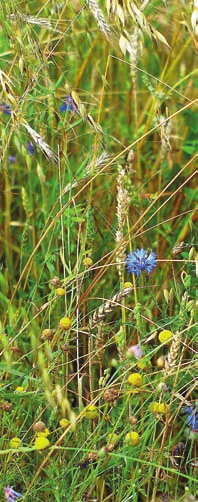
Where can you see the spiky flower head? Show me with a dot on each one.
(192, 417)
(6, 109)
(11, 495)
(140, 260)
(30, 148)
(135, 350)
(68, 105)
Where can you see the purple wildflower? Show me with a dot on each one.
(11, 495)
(30, 148)
(135, 350)
(192, 417)
(68, 105)
(11, 159)
(140, 260)
(6, 109)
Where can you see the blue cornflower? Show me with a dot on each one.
(30, 148)
(6, 109)
(11, 495)
(68, 105)
(192, 417)
(140, 260)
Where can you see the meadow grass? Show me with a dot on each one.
(99, 161)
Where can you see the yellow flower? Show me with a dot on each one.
(20, 390)
(135, 379)
(41, 443)
(65, 323)
(64, 423)
(162, 408)
(91, 412)
(15, 443)
(159, 407)
(43, 433)
(165, 336)
(132, 438)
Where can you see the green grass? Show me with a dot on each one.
(115, 174)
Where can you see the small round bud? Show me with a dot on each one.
(87, 262)
(47, 334)
(60, 291)
(162, 387)
(133, 420)
(161, 362)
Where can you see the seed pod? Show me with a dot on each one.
(110, 395)
(55, 281)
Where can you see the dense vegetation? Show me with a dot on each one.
(98, 248)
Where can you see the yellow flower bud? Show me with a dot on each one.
(91, 412)
(64, 423)
(15, 443)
